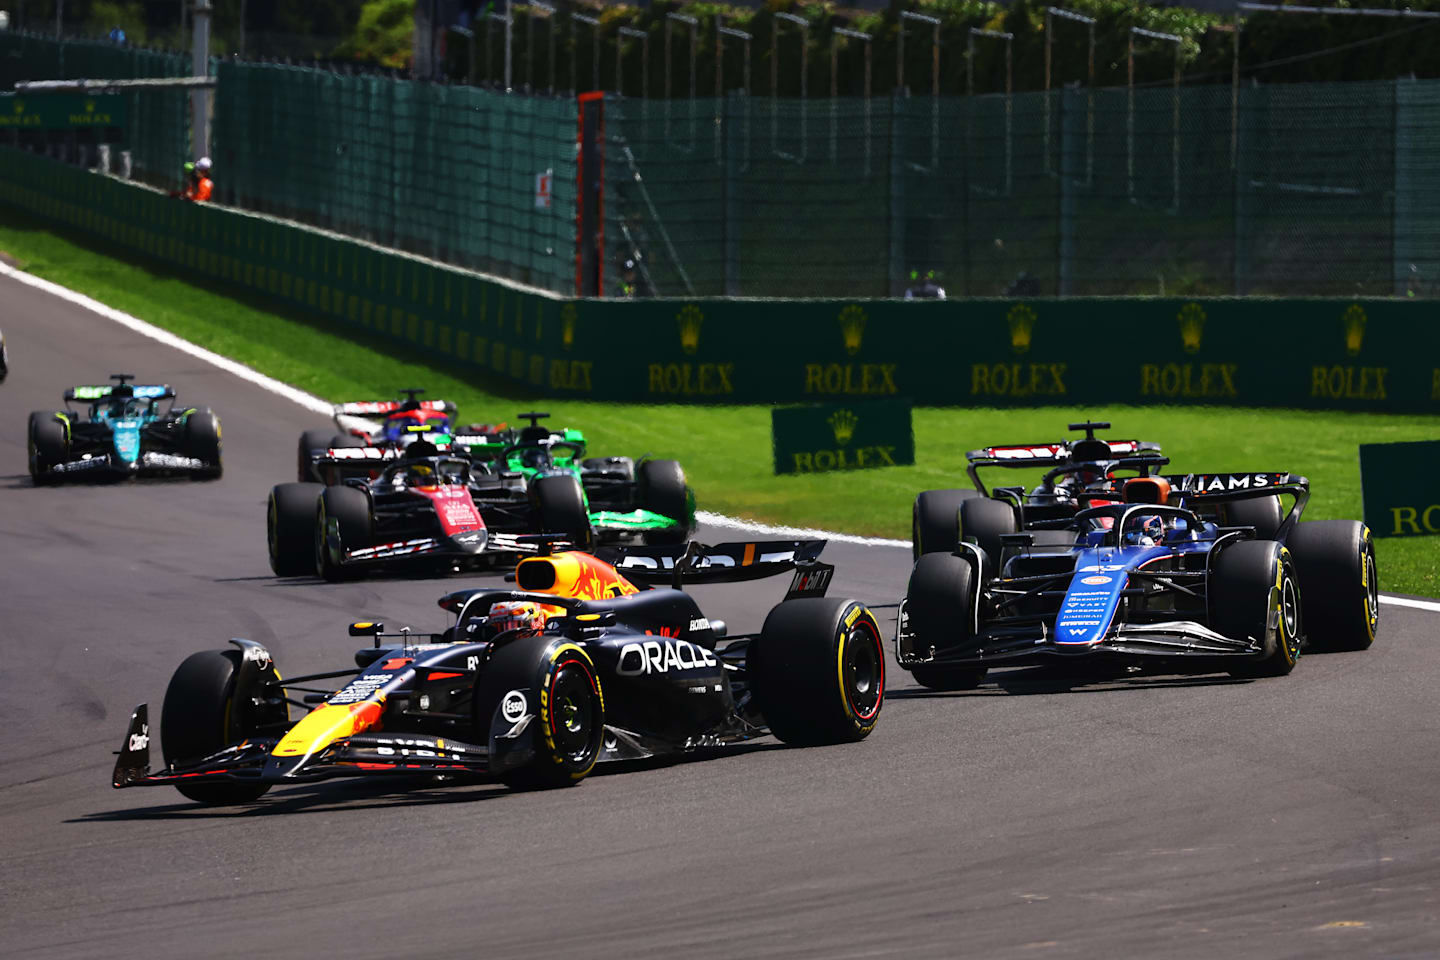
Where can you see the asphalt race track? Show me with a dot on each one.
(1154, 816)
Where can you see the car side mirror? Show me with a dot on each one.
(366, 628)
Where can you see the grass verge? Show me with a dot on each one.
(726, 449)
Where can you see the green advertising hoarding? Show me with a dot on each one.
(60, 111)
(1400, 486)
(820, 437)
(1368, 354)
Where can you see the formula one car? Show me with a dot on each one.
(535, 685)
(419, 509)
(124, 433)
(387, 427)
(1144, 579)
(625, 499)
(4, 358)
(1077, 475)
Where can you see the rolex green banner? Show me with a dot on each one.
(60, 111)
(1400, 485)
(821, 437)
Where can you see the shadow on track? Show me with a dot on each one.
(392, 792)
(1039, 681)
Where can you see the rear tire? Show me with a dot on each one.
(202, 441)
(310, 441)
(1251, 582)
(986, 521)
(568, 730)
(350, 509)
(935, 521)
(663, 490)
(622, 467)
(818, 671)
(290, 521)
(208, 706)
(940, 607)
(1265, 514)
(1335, 561)
(49, 446)
(559, 503)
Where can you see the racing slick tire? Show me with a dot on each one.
(986, 521)
(560, 508)
(49, 444)
(935, 521)
(1335, 561)
(818, 671)
(290, 522)
(663, 490)
(202, 442)
(561, 688)
(350, 509)
(210, 704)
(1252, 583)
(939, 605)
(1265, 514)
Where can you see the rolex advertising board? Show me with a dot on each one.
(1400, 486)
(821, 437)
(1372, 354)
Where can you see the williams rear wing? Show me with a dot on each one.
(696, 562)
(1196, 490)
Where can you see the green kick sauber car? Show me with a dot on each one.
(603, 499)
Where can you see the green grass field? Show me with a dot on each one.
(726, 449)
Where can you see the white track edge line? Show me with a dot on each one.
(317, 405)
(308, 401)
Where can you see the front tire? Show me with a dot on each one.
(985, 521)
(349, 510)
(663, 490)
(49, 446)
(209, 705)
(935, 521)
(1335, 560)
(563, 692)
(940, 607)
(1253, 584)
(560, 508)
(290, 522)
(202, 442)
(818, 671)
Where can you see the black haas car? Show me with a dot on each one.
(534, 685)
(427, 509)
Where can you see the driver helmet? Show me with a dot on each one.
(202, 166)
(1146, 531)
(420, 475)
(523, 615)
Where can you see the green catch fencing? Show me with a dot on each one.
(1293, 190)
(157, 130)
(1379, 354)
(457, 174)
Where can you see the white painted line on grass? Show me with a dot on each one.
(749, 526)
(274, 386)
(317, 405)
(1430, 605)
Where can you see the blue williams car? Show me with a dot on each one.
(123, 431)
(1149, 577)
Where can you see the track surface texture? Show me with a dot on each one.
(1183, 817)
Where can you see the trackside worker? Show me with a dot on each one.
(198, 185)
